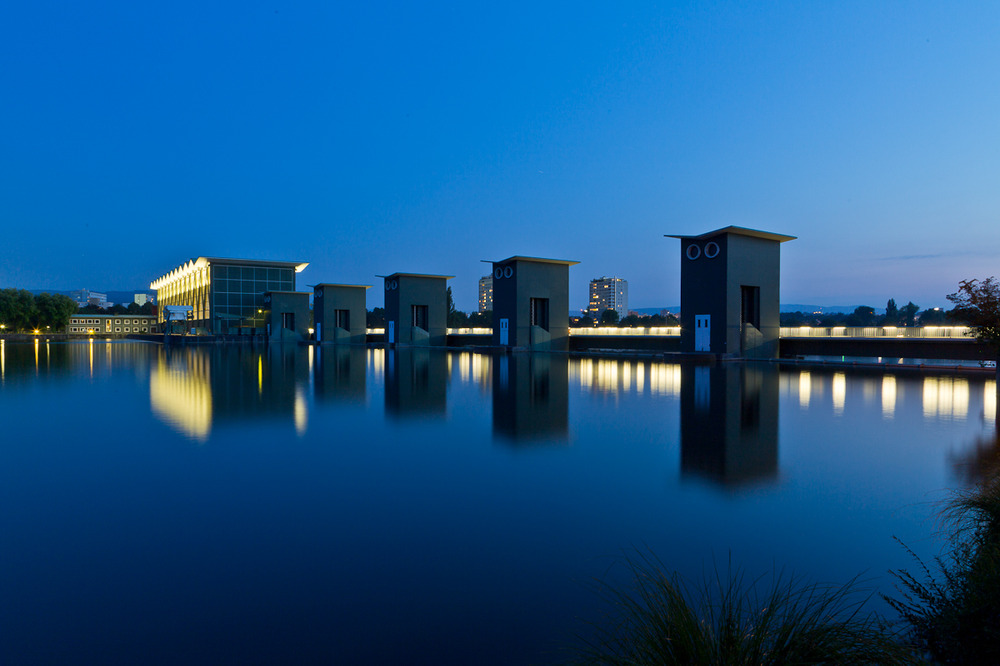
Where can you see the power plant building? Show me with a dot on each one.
(226, 295)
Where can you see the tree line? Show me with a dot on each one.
(864, 315)
(20, 310)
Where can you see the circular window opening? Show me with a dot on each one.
(508, 271)
(693, 251)
(711, 249)
(498, 273)
(395, 284)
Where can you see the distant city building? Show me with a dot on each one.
(226, 295)
(485, 293)
(608, 293)
(141, 299)
(86, 297)
(111, 324)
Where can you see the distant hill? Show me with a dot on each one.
(785, 307)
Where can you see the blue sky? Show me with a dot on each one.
(369, 138)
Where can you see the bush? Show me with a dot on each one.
(955, 615)
(664, 620)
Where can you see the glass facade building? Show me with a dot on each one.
(227, 295)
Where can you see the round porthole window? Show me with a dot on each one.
(711, 249)
(388, 285)
(395, 284)
(693, 251)
(319, 293)
(508, 271)
(498, 273)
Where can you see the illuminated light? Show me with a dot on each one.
(888, 396)
(260, 375)
(627, 376)
(990, 401)
(301, 412)
(640, 377)
(90, 350)
(182, 396)
(839, 390)
(3, 359)
(463, 367)
(664, 379)
(586, 373)
(930, 395)
(805, 388)
(310, 354)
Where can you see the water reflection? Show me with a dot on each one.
(614, 375)
(946, 396)
(415, 382)
(193, 388)
(339, 373)
(729, 423)
(531, 397)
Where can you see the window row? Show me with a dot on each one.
(249, 273)
(250, 286)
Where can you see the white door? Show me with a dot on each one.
(504, 332)
(391, 333)
(703, 332)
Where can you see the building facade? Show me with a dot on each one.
(531, 308)
(84, 297)
(730, 303)
(608, 293)
(227, 295)
(111, 324)
(485, 293)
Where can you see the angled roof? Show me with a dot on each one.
(739, 231)
(189, 267)
(539, 260)
(416, 275)
(334, 284)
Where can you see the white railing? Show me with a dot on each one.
(659, 331)
(874, 332)
(958, 332)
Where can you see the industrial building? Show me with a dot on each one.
(226, 295)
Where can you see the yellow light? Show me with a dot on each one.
(36, 331)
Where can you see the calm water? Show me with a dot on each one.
(291, 505)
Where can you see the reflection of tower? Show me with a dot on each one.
(530, 396)
(340, 372)
(415, 381)
(729, 422)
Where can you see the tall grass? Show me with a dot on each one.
(662, 619)
(954, 611)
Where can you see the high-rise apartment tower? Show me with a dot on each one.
(485, 293)
(608, 293)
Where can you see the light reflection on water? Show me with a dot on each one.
(336, 491)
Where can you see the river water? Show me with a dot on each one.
(238, 504)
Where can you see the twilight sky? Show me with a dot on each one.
(374, 137)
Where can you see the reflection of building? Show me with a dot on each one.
(485, 293)
(729, 422)
(531, 396)
(415, 382)
(730, 292)
(608, 293)
(531, 303)
(194, 388)
(339, 373)
(111, 324)
(227, 295)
